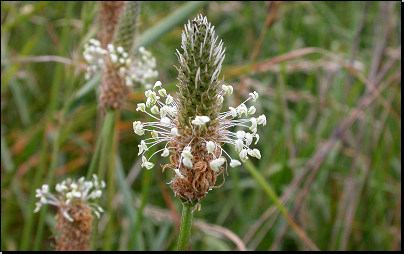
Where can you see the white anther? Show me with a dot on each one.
(138, 128)
(234, 163)
(215, 164)
(251, 110)
(262, 120)
(243, 155)
(157, 84)
(174, 132)
(154, 109)
(242, 109)
(187, 162)
(257, 137)
(233, 111)
(200, 120)
(210, 146)
(186, 153)
(163, 92)
(165, 120)
(142, 147)
(228, 89)
(254, 96)
(248, 138)
(177, 171)
(239, 145)
(165, 152)
(240, 134)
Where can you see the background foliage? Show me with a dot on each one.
(329, 78)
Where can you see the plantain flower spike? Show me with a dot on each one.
(193, 126)
(74, 200)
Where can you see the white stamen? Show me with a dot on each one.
(234, 163)
(200, 120)
(215, 164)
(210, 145)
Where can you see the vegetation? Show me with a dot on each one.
(329, 79)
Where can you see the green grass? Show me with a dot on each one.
(329, 176)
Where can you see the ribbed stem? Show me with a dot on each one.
(185, 229)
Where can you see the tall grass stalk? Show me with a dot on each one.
(106, 135)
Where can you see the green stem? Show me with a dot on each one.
(185, 229)
(146, 182)
(107, 132)
(112, 147)
(95, 156)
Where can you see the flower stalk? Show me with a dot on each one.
(186, 224)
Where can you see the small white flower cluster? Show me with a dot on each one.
(68, 190)
(165, 128)
(142, 70)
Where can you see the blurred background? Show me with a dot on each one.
(329, 79)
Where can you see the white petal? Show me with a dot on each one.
(37, 209)
(163, 111)
(114, 58)
(76, 194)
(97, 214)
(142, 147)
(119, 49)
(43, 200)
(110, 47)
(138, 128)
